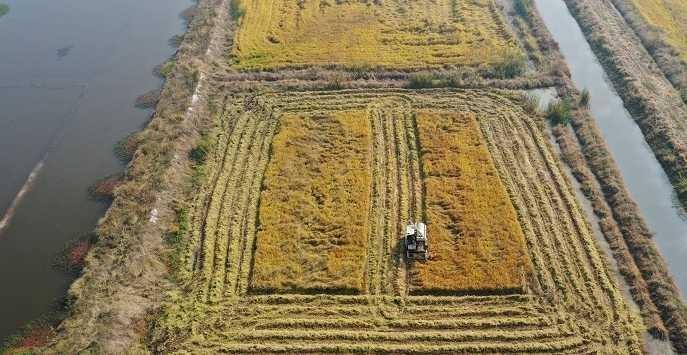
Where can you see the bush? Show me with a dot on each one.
(585, 98)
(559, 112)
(420, 81)
(200, 152)
(522, 7)
(531, 103)
(4, 9)
(237, 9)
(512, 65)
(165, 69)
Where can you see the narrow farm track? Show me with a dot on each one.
(569, 303)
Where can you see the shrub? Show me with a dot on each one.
(585, 98)
(200, 152)
(420, 81)
(531, 103)
(165, 69)
(522, 7)
(512, 65)
(559, 112)
(4, 9)
(237, 9)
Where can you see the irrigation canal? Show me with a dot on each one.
(69, 74)
(646, 181)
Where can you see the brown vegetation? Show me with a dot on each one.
(672, 59)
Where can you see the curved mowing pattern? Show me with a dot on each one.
(568, 305)
(393, 34)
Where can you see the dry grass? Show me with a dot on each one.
(393, 34)
(671, 17)
(313, 210)
(476, 241)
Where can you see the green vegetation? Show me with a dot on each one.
(559, 112)
(237, 9)
(421, 81)
(522, 7)
(585, 98)
(4, 9)
(513, 64)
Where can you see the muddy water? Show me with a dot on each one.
(69, 73)
(644, 177)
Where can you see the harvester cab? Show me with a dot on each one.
(416, 241)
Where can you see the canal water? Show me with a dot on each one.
(70, 71)
(645, 179)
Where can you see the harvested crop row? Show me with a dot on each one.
(569, 303)
(225, 231)
(396, 194)
(392, 34)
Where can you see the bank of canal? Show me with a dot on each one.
(69, 74)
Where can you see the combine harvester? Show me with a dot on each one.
(416, 241)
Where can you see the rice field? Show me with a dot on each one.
(670, 16)
(395, 154)
(400, 34)
(477, 242)
(313, 218)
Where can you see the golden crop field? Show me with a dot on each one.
(399, 34)
(313, 209)
(395, 142)
(477, 243)
(671, 17)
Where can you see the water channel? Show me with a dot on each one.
(70, 71)
(646, 181)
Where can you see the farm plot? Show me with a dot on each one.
(671, 17)
(314, 205)
(477, 243)
(567, 304)
(400, 34)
